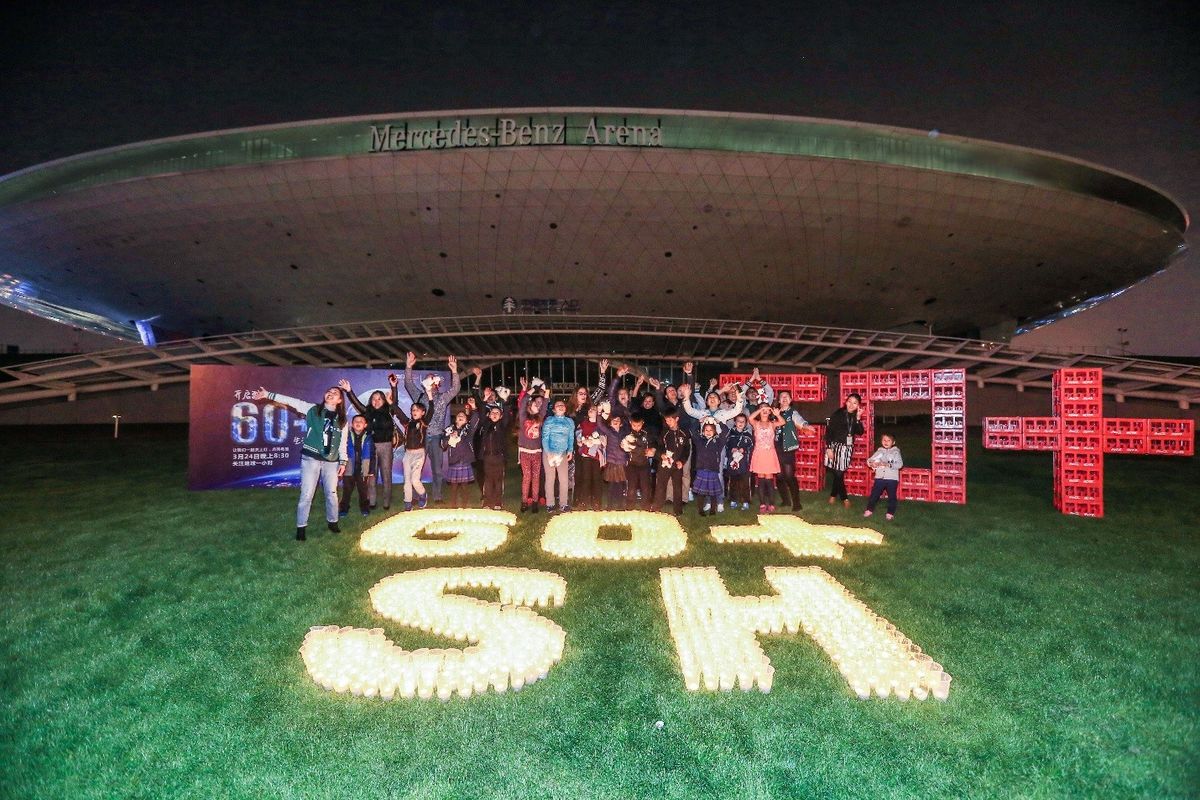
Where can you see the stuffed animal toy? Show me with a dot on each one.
(503, 392)
(628, 444)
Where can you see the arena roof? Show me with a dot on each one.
(596, 211)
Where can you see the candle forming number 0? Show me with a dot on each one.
(508, 644)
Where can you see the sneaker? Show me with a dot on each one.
(497, 508)
(703, 512)
(846, 502)
(524, 507)
(868, 513)
(720, 507)
(342, 513)
(535, 508)
(423, 500)
(762, 508)
(770, 509)
(366, 513)
(890, 516)
(407, 506)
(300, 533)
(334, 528)
(745, 506)
(387, 506)
(691, 497)
(832, 499)
(564, 509)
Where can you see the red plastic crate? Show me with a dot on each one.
(1086, 476)
(1041, 441)
(1079, 459)
(1074, 409)
(1126, 427)
(955, 452)
(1077, 377)
(915, 477)
(947, 466)
(915, 385)
(1002, 441)
(1081, 508)
(1091, 493)
(1002, 424)
(1039, 425)
(952, 406)
(958, 496)
(947, 421)
(949, 436)
(948, 376)
(1170, 445)
(956, 482)
(1069, 394)
(1081, 426)
(949, 391)
(1171, 427)
(859, 382)
(1119, 443)
(1083, 441)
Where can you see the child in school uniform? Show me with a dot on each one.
(614, 429)
(458, 442)
(708, 448)
(887, 463)
(360, 448)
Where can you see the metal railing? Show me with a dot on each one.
(488, 339)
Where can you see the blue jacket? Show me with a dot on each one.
(359, 452)
(558, 435)
(739, 440)
(707, 453)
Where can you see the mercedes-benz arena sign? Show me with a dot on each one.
(677, 213)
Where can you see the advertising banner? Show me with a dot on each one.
(236, 442)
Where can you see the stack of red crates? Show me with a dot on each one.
(1002, 433)
(949, 470)
(1079, 463)
(810, 461)
(1040, 433)
(1171, 437)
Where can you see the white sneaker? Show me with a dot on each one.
(691, 497)
(720, 507)
(745, 506)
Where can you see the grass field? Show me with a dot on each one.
(150, 637)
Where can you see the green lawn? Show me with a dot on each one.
(150, 639)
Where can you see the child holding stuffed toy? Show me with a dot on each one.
(614, 430)
(640, 443)
(737, 462)
(359, 453)
(558, 444)
(674, 450)
(589, 467)
(458, 442)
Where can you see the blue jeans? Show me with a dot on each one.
(880, 486)
(434, 455)
(312, 472)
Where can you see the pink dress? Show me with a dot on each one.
(764, 461)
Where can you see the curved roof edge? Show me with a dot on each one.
(690, 129)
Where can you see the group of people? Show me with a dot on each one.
(611, 446)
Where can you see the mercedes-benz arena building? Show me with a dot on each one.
(595, 211)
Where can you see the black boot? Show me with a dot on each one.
(334, 528)
(300, 531)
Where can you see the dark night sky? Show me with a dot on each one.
(1107, 82)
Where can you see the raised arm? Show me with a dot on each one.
(455, 378)
(283, 400)
(691, 409)
(601, 386)
(344, 385)
(414, 391)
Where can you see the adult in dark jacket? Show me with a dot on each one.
(437, 401)
(841, 428)
(493, 447)
(378, 413)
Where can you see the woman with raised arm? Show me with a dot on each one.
(764, 461)
(323, 454)
(436, 401)
(378, 413)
